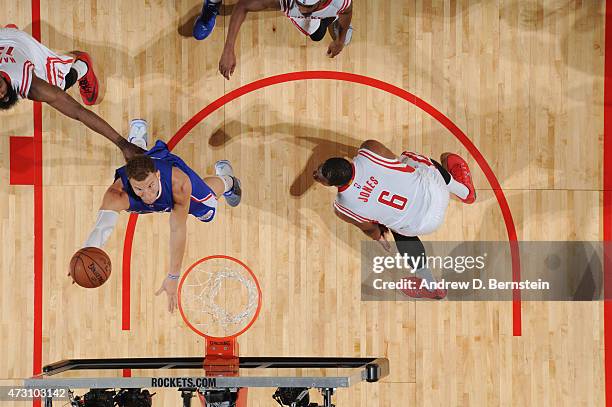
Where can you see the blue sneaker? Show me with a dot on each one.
(205, 22)
(234, 195)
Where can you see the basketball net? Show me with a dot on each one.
(213, 310)
(219, 299)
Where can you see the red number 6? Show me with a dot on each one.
(396, 201)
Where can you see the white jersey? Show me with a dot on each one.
(308, 25)
(408, 195)
(21, 56)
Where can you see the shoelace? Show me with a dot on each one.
(85, 85)
(459, 173)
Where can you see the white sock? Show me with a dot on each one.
(425, 274)
(81, 68)
(228, 181)
(215, 1)
(458, 188)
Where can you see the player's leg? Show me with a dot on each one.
(232, 192)
(462, 187)
(216, 184)
(139, 134)
(85, 75)
(459, 190)
(205, 23)
(320, 33)
(460, 183)
(413, 249)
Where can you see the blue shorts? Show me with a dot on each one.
(203, 200)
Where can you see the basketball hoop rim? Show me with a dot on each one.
(196, 330)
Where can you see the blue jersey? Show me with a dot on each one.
(203, 200)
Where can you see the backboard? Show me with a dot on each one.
(284, 373)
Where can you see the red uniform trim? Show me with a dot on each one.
(206, 198)
(52, 71)
(27, 77)
(396, 165)
(417, 158)
(345, 5)
(298, 26)
(380, 158)
(324, 6)
(49, 76)
(346, 211)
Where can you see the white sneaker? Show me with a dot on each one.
(234, 195)
(349, 33)
(139, 133)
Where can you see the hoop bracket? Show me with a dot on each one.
(221, 357)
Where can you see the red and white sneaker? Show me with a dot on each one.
(88, 84)
(422, 292)
(460, 171)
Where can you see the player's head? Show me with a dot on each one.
(307, 7)
(336, 171)
(143, 177)
(8, 96)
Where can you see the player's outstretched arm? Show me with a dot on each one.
(41, 91)
(227, 64)
(181, 195)
(344, 21)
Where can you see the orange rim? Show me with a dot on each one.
(196, 330)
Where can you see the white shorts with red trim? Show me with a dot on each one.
(440, 198)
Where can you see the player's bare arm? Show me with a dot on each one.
(42, 91)
(378, 148)
(181, 196)
(227, 64)
(344, 21)
(115, 198)
(370, 229)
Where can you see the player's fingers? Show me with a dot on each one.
(161, 290)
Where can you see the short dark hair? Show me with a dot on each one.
(139, 167)
(10, 99)
(337, 171)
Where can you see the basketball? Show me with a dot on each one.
(90, 267)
